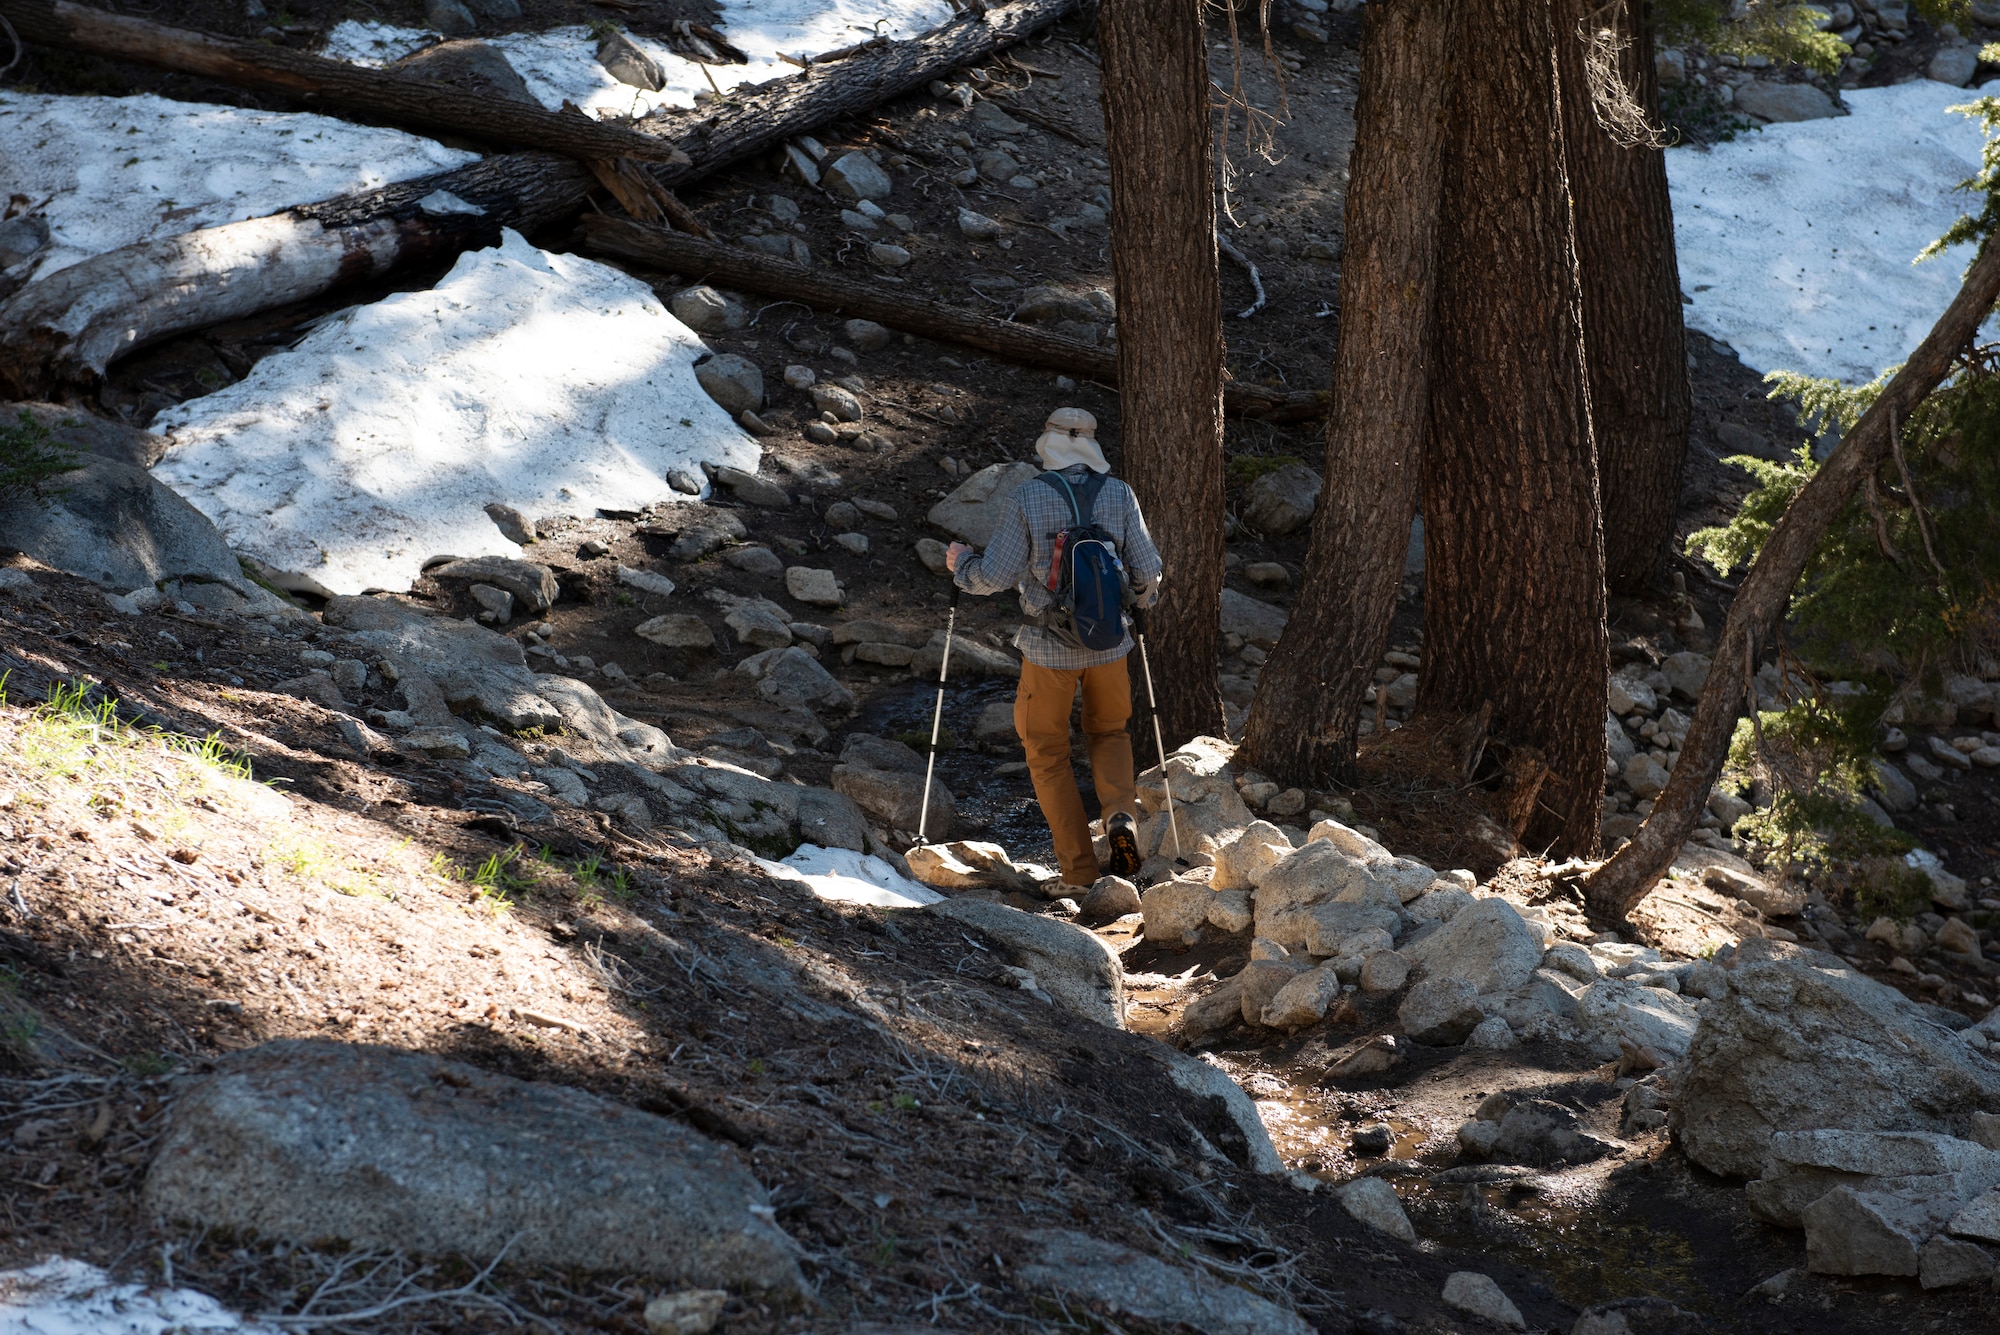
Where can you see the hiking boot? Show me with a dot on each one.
(1123, 837)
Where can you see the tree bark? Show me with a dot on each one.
(1634, 342)
(382, 95)
(657, 248)
(1302, 724)
(1616, 888)
(1163, 258)
(59, 334)
(1514, 611)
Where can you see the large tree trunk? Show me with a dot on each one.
(59, 334)
(1514, 611)
(749, 271)
(382, 95)
(1302, 724)
(1615, 888)
(1634, 341)
(1163, 257)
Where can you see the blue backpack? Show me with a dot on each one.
(1086, 578)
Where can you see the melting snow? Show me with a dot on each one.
(851, 878)
(111, 171)
(64, 1297)
(561, 64)
(547, 382)
(1796, 241)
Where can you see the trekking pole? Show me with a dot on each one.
(1153, 708)
(937, 716)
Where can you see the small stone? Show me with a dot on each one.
(1958, 938)
(1267, 575)
(437, 743)
(449, 17)
(932, 553)
(686, 483)
(755, 561)
(702, 309)
(1645, 776)
(498, 604)
(819, 433)
(842, 516)
(1288, 803)
(690, 1312)
(1441, 1011)
(866, 335)
(732, 381)
(888, 256)
(1478, 1138)
(1384, 971)
(625, 62)
(1303, 1000)
(1469, 1291)
(1176, 911)
(646, 581)
(856, 543)
(752, 489)
(1373, 1138)
(1946, 1263)
(838, 401)
(513, 525)
(997, 167)
(1375, 1203)
(818, 588)
(1492, 1034)
(854, 176)
(1112, 897)
(1953, 65)
(800, 377)
(1231, 912)
(678, 630)
(977, 226)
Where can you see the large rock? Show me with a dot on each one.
(1489, 945)
(1176, 910)
(973, 508)
(1784, 102)
(1440, 1011)
(1077, 968)
(1375, 1203)
(732, 381)
(1208, 812)
(793, 677)
(1801, 1042)
(469, 664)
(1850, 1232)
(1136, 1285)
(1257, 622)
(475, 67)
(855, 177)
(1282, 501)
(624, 61)
(583, 712)
(110, 522)
(304, 1140)
(1615, 1012)
(895, 798)
(1802, 1166)
(1242, 862)
(533, 586)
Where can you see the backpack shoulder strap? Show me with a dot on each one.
(1067, 492)
(1093, 487)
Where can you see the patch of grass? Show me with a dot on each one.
(31, 457)
(920, 741)
(310, 860)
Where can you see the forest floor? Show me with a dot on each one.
(164, 912)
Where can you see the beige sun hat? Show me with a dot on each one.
(1070, 437)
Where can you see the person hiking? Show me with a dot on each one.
(1049, 544)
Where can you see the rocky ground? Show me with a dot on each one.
(510, 819)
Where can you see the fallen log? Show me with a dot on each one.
(381, 95)
(56, 341)
(656, 248)
(1613, 890)
(61, 333)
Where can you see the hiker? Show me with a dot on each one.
(1078, 506)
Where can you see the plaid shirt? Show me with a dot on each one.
(1023, 545)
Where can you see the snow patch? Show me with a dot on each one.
(851, 878)
(561, 64)
(113, 171)
(1796, 241)
(546, 382)
(64, 1297)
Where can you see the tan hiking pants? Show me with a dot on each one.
(1041, 717)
